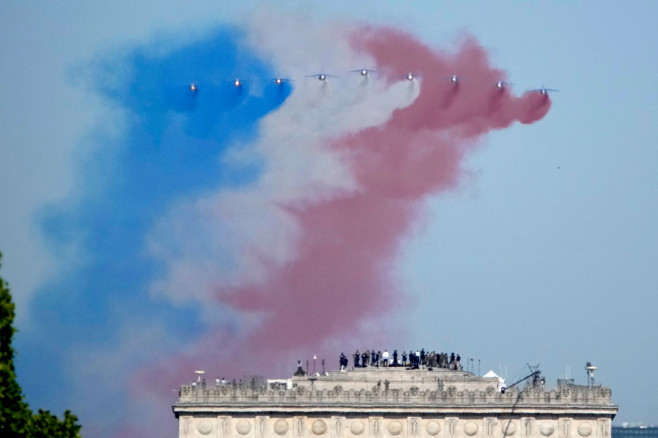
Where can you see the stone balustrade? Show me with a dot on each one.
(229, 394)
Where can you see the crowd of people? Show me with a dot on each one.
(369, 358)
(410, 360)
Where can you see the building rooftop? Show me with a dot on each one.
(391, 389)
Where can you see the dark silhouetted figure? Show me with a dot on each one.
(300, 371)
(343, 362)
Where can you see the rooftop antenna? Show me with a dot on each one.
(503, 371)
(589, 368)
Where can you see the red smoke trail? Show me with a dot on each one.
(349, 243)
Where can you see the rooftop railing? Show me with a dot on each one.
(230, 394)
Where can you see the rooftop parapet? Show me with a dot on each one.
(391, 388)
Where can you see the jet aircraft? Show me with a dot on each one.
(321, 76)
(455, 79)
(363, 71)
(543, 90)
(279, 80)
(502, 84)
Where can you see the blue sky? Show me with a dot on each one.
(546, 252)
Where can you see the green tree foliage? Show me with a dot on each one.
(46, 425)
(14, 412)
(16, 418)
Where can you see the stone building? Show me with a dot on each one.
(392, 402)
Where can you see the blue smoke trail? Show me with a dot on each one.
(170, 149)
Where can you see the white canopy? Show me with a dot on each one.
(492, 374)
(501, 381)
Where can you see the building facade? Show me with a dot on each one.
(392, 403)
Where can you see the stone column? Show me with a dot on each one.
(224, 427)
(565, 428)
(526, 427)
(299, 427)
(489, 427)
(413, 427)
(604, 429)
(451, 426)
(184, 425)
(262, 424)
(375, 427)
(337, 427)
